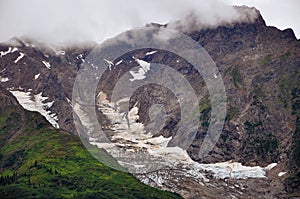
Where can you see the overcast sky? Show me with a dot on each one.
(79, 20)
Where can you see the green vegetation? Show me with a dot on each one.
(38, 161)
(266, 59)
(292, 184)
(205, 110)
(259, 143)
(205, 118)
(297, 143)
(232, 113)
(250, 126)
(285, 56)
(289, 95)
(235, 75)
(285, 86)
(295, 100)
(258, 92)
(267, 145)
(293, 181)
(258, 99)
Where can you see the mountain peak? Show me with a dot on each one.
(231, 16)
(249, 14)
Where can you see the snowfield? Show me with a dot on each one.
(36, 103)
(141, 153)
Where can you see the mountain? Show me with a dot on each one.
(39, 161)
(257, 154)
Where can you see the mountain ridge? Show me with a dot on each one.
(260, 68)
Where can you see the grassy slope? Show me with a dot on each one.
(38, 161)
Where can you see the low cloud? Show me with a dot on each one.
(58, 21)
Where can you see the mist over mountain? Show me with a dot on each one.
(256, 155)
(49, 21)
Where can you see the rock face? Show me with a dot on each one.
(259, 66)
(35, 69)
(155, 163)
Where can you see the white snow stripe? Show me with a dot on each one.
(151, 53)
(47, 64)
(10, 50)
(36, 104)
(119, 62)
(281, 174)
(20, 57)
(110, 63)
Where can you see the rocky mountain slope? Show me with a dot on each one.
(38, 161)
(259, 66)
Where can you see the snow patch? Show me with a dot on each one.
(93, 65)
(83, 116)
(4, 79)
(37, 76)
(281, 174)
(141, 73)
(69, 102)
(119, 62)
(47, 64)
(61, 52)
(36, 103)
(145, 65)
(234, 170)
(10, 50)
(80, 57)
(151, 53)
(270, 166)
(20, 57)
(137, 75)
(110, 63)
